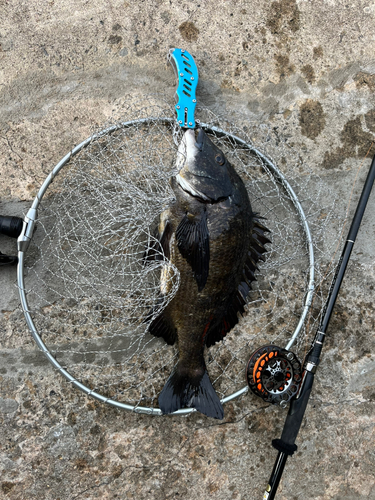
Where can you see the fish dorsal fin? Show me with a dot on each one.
(193, 243)
(220, 326)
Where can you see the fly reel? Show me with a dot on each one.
(274, 374)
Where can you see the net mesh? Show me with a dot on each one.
(90, 294)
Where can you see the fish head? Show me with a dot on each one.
(204, 172)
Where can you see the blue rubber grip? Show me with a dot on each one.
(187, 74)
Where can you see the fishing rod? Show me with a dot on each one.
(286, 445)
(12, 227)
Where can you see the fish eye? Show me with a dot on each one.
(220, 159)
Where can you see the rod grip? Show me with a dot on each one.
(296, 412)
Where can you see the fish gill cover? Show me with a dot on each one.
(91, 297)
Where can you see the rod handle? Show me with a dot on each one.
(11, 226)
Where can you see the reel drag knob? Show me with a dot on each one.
(274, 374)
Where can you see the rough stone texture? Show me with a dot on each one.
(307, 69)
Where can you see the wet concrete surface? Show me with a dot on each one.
(306, 70)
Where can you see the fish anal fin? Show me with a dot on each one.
(162, 326)
(193, 243)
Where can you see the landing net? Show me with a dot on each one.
(86, 292)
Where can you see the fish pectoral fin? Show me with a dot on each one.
(158, 245)
(162, 326)
(194, 245)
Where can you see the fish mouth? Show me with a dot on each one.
(189, 148)
(188, 188)
(200, 174)
(200, 139)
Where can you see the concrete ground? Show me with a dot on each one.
(307, 69)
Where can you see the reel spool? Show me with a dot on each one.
(274, 374)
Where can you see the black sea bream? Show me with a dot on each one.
(215, 240)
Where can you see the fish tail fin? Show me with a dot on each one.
(184, 391)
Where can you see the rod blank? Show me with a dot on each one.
(286, 445)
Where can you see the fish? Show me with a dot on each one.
(213, 237)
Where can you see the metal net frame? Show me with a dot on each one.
(86, 293)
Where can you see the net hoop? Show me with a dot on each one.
(31, 217)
